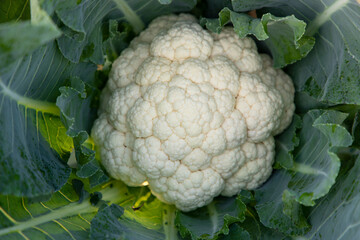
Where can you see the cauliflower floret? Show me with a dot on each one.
(254, 170)
(192, 113)
(116, 150)
(282, 82)
(187, 189)
(261, 106)
(183, 40)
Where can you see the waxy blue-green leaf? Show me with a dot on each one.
(63, 216)
(286, 143)
(272, 201)
(314, 171)
(32, 136)
(82, 38)
(60, 217)
(337, 215)
(212, 220)
(114, 40)
(284, 36)
(18, 38)
(77, 114)
(143, 217)
(331, 71)
(236, 232)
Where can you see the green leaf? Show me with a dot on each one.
(165, 1)
(211, 221)
(77, 115)
(63, 216)
(83, 39)
(60, 217)
(286, 143)
(109, 224)
(278, 210)
(316, 163)
(331, 71)
(337, 216)
(116, 40)
(315, 168)
(355, 130)
(236, 232)
(142, 217)
(11, 10)
(20, 38)
(35, 145)
(284, 36)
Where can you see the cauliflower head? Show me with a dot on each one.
(191, 113)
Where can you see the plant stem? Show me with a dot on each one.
(213, 216)
(130, 15)
(169, 214)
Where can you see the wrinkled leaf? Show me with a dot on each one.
(82, 38)
(116, 40)
(236, 232)
(331, 71)
(77, 115)
(314, 171)
(23, 37)
(35, 146)
(337, 216)
(284, 36)
(141, 217)
(272, 201)
(286, 143)
(210, 221)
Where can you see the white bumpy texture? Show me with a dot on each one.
(192, 113)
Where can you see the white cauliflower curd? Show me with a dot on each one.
(192, 113)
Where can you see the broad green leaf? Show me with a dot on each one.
(211, 221)
(314, 171)
(110, 223)
(355, 130)
(272, 201)
(114, 40)
(286, 143)
(165, 1)
(337, 215)
(284, 36)
(236, 232)
(23, 37)
(77, 114)
(331, 71)
(14, 10)
(316, 163)
(82, 39)
(142, 217)
(35, 146)
(61, 217)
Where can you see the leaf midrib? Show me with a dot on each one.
(325, 16)
(38, 105)
(60, 213)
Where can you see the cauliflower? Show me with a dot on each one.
(192, 114)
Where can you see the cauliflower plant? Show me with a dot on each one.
(192, 114)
